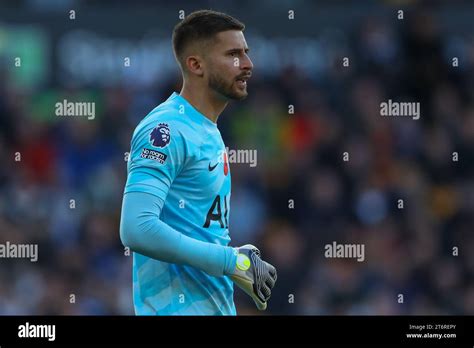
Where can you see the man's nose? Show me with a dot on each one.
(246, 63)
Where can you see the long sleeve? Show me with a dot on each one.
(142, 230)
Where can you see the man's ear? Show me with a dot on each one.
(194, 65)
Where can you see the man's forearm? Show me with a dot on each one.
(143, 231)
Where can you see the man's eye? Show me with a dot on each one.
(233, 54)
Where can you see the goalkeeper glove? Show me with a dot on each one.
(253, 275)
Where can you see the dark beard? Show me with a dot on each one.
(220, 86)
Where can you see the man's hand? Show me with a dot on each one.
(253, 275)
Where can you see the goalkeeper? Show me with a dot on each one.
(176, 203)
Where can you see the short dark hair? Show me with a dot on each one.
(201, 25)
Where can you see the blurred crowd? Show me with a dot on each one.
(64, 192)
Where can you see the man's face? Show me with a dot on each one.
(228, 65)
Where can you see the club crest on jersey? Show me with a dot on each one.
(160, 135)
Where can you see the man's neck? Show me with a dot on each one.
(204, 100)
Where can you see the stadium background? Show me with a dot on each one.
(297, 62)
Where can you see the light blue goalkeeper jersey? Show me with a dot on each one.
(184, 153)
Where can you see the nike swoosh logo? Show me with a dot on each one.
(213, 167)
